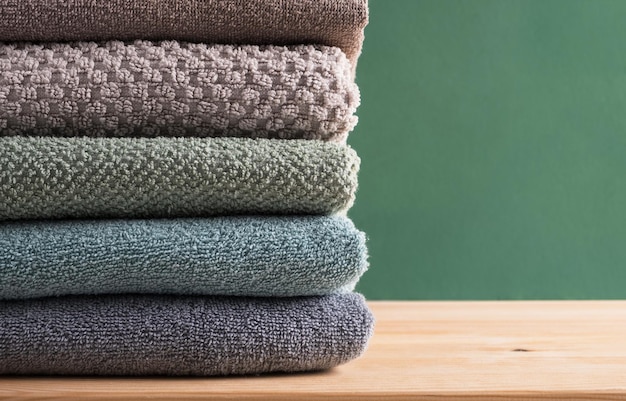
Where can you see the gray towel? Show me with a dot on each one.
(168, 335)
(44, 178)
(328, 22)
(176, 89)
(254, 256)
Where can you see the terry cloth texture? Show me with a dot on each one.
(245, 256)
(50, 178)
(337, 23)
(169, 335)
(176, 89)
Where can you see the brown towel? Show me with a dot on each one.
(337, 23)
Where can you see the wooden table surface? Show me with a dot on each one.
(565, 350)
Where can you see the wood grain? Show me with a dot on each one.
(566, 350)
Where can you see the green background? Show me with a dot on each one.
(492, 135)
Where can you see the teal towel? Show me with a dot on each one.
(52, 178)
(254, 255)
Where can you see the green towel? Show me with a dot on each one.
(53, 178)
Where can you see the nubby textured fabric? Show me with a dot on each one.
(176, 89)
(169, 335)
(337, 23)
(53, 178)
(230, 255)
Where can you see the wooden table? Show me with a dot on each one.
(571, 350)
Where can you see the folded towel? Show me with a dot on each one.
(169, 335)
(176, 89)
(252, 256)
(328, 22)
(45, 178)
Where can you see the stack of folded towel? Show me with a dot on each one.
(173, 185)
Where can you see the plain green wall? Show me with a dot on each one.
(493, 142)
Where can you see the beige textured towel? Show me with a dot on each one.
(337, 23)
(173, 88)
